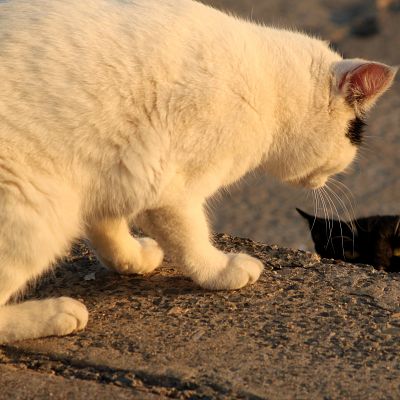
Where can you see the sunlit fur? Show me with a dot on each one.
(136, 111)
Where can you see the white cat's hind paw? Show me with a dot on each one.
(240, 270)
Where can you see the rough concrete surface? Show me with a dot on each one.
(308, 329)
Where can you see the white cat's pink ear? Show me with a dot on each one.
(362, 82)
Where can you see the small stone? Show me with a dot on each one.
(197, 335)
(90, 277)
(176, 310)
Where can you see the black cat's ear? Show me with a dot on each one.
(309, 218)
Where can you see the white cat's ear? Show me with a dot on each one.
(362, 82)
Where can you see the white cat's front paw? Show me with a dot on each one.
(152, 255)
(63, 316)
(239, 271)
(40, 318)
(134, 259)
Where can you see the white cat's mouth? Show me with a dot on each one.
(314, 182)
(310, 181)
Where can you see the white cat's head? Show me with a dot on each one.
(322, 125)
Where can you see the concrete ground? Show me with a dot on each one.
(308, 329)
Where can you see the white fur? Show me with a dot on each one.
(117, 111)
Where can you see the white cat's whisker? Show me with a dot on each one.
(350, 223)
(337, 213)
(397, 228)
(328, 227)
(351, 200)
(315, 209)
(343, 207)
(340, 185)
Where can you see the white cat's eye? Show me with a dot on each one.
(396, 252)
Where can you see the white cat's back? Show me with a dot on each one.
(152, 87)
(87, 79)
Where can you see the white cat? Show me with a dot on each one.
(137, 111)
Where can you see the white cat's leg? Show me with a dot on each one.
(32, 235)
(117, 249)
(183, 232)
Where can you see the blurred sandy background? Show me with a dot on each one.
(263, 209)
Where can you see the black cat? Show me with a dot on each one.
(376, 240)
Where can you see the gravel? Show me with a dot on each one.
(309, 328)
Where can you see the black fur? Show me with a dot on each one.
(376, 240)
(356, 130)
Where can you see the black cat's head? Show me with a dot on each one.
(333, 239)
(372, 240)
